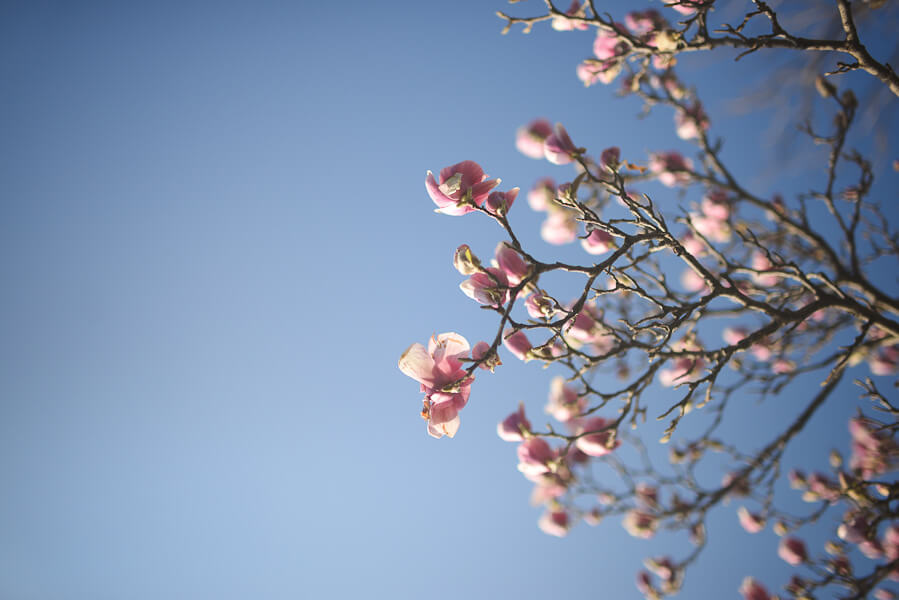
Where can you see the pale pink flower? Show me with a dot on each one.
(642, 22)
(687, 7)
(558, 147)
(689, 123)
(540, 306)
(751, 522)
(716, 205)
(555, 523)
(518, 344)
(499, 203)
(489, 287)
(548, 486)
(711, 229)
(670, 168)
(734, 335)
(596, 444)
(609, 44)
(693, 244)
(610, 157)
(543, 194)
(479, 352)
(891, 542)
(694, 282)
(534, 457)
(461, 186)
(761, 263)
(644, 583)
(445, 383)
(854, 528)
(661, 567)
(512, 264)
(647, 496)
(782, 365)
(639, 524)
(564, 402)
(885, 361)
(683, 369)
(561, 23)
(753, 590)
(513, 426)
(884, 594)
(592, 71)
(598, 242)
(529, 138)
(871, 549)
(873, 451)
(559, 228)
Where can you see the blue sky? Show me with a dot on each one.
(215, 243)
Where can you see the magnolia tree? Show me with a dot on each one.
(732, 291)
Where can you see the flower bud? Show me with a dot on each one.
(465, 261)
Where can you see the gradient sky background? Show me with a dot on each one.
(214, 245)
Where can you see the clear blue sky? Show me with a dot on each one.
(214, 244)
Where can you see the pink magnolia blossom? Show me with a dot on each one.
(511, 263)
(445, 383)
(691, 122)
(873, 451)
(610, 157)
(555, 523)
(562, 23)
(854, 528)
(488, 362)
(511, 429)
(609, 44)
(639, 524)
(693, 244)
(499, 203)
(871, 549)
(540, 305)
(529, 139)
(662, 568)
(534, 457)
(687, 7)
(592, 71)
(761, 263)
(558, 147)
(461, 186)
(885, 361)
(734, 335)
(782, 365)
(489, 287)
(598, 242)
(711, 229)
(751, 522)
(642, 22)
(647, 496)
(753, 590)
(694, 282)
(682, 369)
(716, 205)
(548, 486)
(564, 402)
(644, 584)
(891, 542)
(670, 168)
(518, 344)
(559, 228)
(596, 444)
(884, 594)
(543, 194)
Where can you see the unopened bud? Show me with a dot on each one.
(465, 261)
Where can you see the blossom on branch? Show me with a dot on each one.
(446, 385)
(462, 187)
